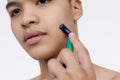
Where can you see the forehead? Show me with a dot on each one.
(16, 2)
(20, 0)
(25, 0)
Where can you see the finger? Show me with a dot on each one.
(82, 52)
(67, 57)
(55, 68)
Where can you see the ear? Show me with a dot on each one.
(76, 9)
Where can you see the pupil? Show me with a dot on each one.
(42, 1)
(16, 11)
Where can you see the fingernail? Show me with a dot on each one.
(71, 35)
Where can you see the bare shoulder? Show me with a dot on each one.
(106, 74)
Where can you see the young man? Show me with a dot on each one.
(35, 24)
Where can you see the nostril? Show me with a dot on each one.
(31, 22)
(28, 24)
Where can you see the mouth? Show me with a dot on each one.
(33, 37)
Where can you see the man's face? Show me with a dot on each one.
(35, 24)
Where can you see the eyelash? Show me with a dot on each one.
(42, 2)
(15, 12)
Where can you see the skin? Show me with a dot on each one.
(28, 16)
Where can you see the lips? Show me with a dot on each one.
(33, 37)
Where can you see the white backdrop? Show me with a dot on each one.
(99, 30)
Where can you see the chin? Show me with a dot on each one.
(42, 55)
(44, 52)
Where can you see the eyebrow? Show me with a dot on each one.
(12, 3)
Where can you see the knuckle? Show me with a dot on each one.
(67, 75)
(80, 75)
(51, 61)
(63, 52)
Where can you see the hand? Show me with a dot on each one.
(67, 67)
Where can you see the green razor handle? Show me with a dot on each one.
(69, 45)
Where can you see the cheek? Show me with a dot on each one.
(60, 15)
(16, 31)
(57, 14)
(13, 28)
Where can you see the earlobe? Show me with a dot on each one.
(77, 9)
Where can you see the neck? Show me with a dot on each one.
(44, 70)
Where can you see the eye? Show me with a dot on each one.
(42, 1)
(15, 12)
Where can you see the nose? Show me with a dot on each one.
(29, 19)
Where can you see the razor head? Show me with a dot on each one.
(64, 29)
